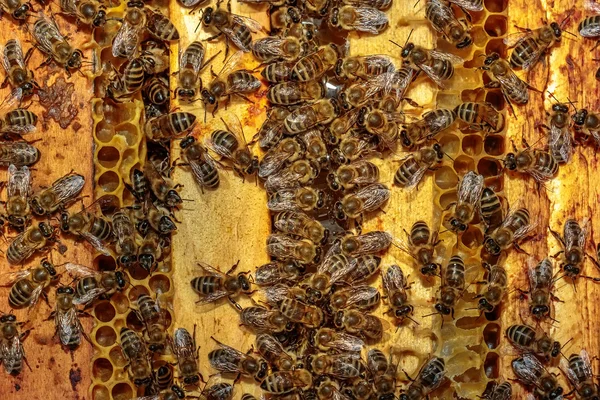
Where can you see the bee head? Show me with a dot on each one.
(294, 14)
(556, 29)
(491, 246)
(560, 108)
(173, 198)
(21, 12)
(207, 15)
(407, 50)
(510, 161)
(489, 60)
(35, 207)
(338, 68)
(187, 142)
(155, 347)
(540, 311)
(165, 225)
(403, 311)
(127, 260)
(429, 269)
(335, 16)
(244, 283)
(320, 199)
(555, 349)
(406, 142)
(332, 182)
(467, 41)
(457, 226)
(120, 278)
(46, 229)
(74, 61)
(8, 318)
(100, 19)
(485, 306)
(208, 97)
(339, 211)
(65, 290)
(185, 93)
(16, 221)
(178, 391)
(442, 309)
(142, 381)
(580, 116)
(571, 270)
(190, 380)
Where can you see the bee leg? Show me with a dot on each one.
(233, 268)
(559, 239)
(51, 316)
(519, 249)
(214, 37)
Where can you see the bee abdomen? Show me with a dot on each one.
(206, 284)
(20, 293)
(406, 171)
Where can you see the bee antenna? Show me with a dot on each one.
(570, 33)
(417, 3)
(572, 104)
(553, 96)
(396, 44)
(429, 315)
(412, 319)
(564, 344)
(446, 154)
(409, 33)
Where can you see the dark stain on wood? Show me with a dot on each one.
(75, 378)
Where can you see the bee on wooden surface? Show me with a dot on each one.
(296, 199)
(228, 82)
(395, 286)
(355, 322)
(151, 250)
(278, 272)
(316, 148)
(299, 224)
(341, 366)
(560, 142)
(490, 209)
(184, 348)
(270, 132)
(314, 65)
(532, 373)
(284, 247)
(296, 311)
(429, 378)
(203, 167)
(28, 285)
(262, 320)
(90, 225)
(341, 125)
(516, 226)
(357, 173)
(413, 168)
(191, 62)
(352, 148)
(579, 371)
(540, 164)
(18, 75)
(300, 172)
(328, 340)
(18, 153)
(273, 48)
(431, 123)
(217, 285)
(136, 20)
(384, 372)
(163, 188)
(155, 56)
(135, 353)
(139, 188)
(363, 67)
(541, 284)
(35, 238)
(12, 353)
(53, 44)
(126, 245)
(285, 152)
(17, 206)
(499, 391)
(228, 360)
(66, 318)
(587, 123)
(480, 117)
(290, 93)
(284, 16)
(452, 287)
(87, 12)
(62, 193)
(156, 90)
(231, 145)
(362, 297)
(442, 19)
(361, 19)
(437, 65)
(573, 245)
(530, 47)
(321, 112)
(469, 193)
(368, 243)
(277, 72)
(217, 391)
(282, 382)
(493, 294)
(589, 27)
(16, 8)
(237, 29)
(272, 351)
(93, 284)
(152, 314)
(502, 76)
(168, 126)
(17, 122)
(367, 199)
(527, 339)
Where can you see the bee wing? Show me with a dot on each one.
(223, 363)
(244, 86)
(591, 30)
(591, 5)
(270, 345)
(534, 58)
(8, 278)
(513, 39)
(393, 279)
(17, 55)
(414, 180)
(231, 63)
(183, 345)
(469, 5)
(124, 229)
(378, 61)
(78, 270)
(126, 40)
(89, 296)
(527, 368)
(368, 20)
(470, 188)
(95, 242)
(67, 324)
(11, 152)
(19, 181)
(430, 72)
(250, 23)
(361, 293)
(441, 55)
(210, 270)
(272, 162)
(11, 352)
(35, 295)
(566, 368)
(68, 187)
(274, 294)
(560, 142)
(12, 99)
(198, 171)
(189, 58)
(46, 38)
(345, 342)
(444, 15)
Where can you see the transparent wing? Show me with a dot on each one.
(13, 152)
(90, 295)
(183, 345)
(591, 5)
(226, 362)
(46, 38)
(231, 64)
(210, 270)
(17, 55)
(272, 162)
(19, 181)
(12, 354)
(252, 24)
(534, 57)
(470, 188)
(345, 342)
(587, 366)
(96, 242)
(359, 294)
(469, 5)
(126, 40)
(198, 171)
(560, 143)
(513, 39)
(78, 270)
(67, 324)
(430, 72)
(9, 278)
(393, 279)
(511, 82)
(441, 55)
(68, 187)
(527, 369)
(591, 30)
(369, 20)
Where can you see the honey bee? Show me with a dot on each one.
(334, 268)
(301, 198)
(17, 74)
(156, 90)
(429, 378)
(530, 47)
(527, 339)
(516, 226)
(277, 72)
(159, 219)
(367, 199)
(481, 117)
(469, 193)
(579, 371)
(355, 322)
(90, 225)
(164, 376)
(361, 19)
(316, 148)
(136, 20)
(352, 148)
(538, 163)
(362, 297)
(300, 172)
(442, 19)
(126, 246)
(228, 360)
(262, 320)
(452, 287)
(282, 382)
(272, 351)
(18, 153)
(357, 173)
(53, 44)
(18, 190)
(502, 76)
(231, 145)
(184, 348)
(139, 188)
(290, 93)
(93, 284)
(285, 152)
(363, 67)
(278, 272)
(217, 285)
(316, 64)
(437, 65)
(296, 311)
(230, 82)
(496, 283)
(168, 126)
(12, 353)
(284, 247)
(490, 209)
(271, 131)
(541, 283)
(299, 224)
(28, 242)
(395, 286)
(340, 126)
(587, 123)
(326, 339)
(66, 318)
(152, 314)
(573, 244)
(431, 123)
(62, 192)
(589, 27)
(155, 57)
(499, 391)
(16, 8)
(384, 373)
(191, 63)
(321, 112)
(236, 28)
(413, 168)
(87, 12)
(341, 366)
(151, 250)
(201, 164)
(368, 243)
(28, 285)
(17, 122)
(560, 142)
(163, 188)
(531, 372)
(136, 354)
(273, 48)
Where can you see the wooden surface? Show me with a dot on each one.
(56, 373)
